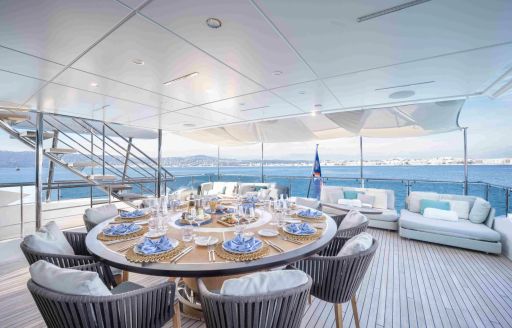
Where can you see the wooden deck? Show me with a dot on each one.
(409, 284)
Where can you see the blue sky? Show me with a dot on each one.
(488, 121)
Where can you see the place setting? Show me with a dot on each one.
(133, 216)
(121, 232)
(299, 231)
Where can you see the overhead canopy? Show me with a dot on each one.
(388, 122)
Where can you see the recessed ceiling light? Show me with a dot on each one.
(138, 61)
(402, 94)
(188, 125)
(390, 10)
(318, 105)
(209, 90)
(181, 78)
(276, 73)
(213, 22)
(94, 84)
(302, 92)
(242, 104)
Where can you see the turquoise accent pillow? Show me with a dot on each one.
(429, 203)
(258, 188)
(350, 194)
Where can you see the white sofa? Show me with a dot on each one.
(234, 188)
(459, 233)
(384, 201)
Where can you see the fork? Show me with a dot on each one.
(211, 251)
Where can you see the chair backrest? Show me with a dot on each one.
(278, 309)
(337, 278)
(95, 215)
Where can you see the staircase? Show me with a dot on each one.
(84, 139)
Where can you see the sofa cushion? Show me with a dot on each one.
(381, 197)
(414, 199)
(460, 228)
(357, 244)
(461, 207)
(67, 281)
(386, 215)
(262, 283)
(428, 203)
(218, 188)
(435, 213)
(307, 202)
(101, 213)
(366, 200)
(49, 239)
(479, 211)
(352, 219)
(470, 199)
(331, 194)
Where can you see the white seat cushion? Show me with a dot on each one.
(350, 202)
(49, 239)
(460, 207)
(67, 281)
(352, 219)
(331, 194)
(261, 283)
(435, 213)
(101, 213)
(381, 197)
(357, 244)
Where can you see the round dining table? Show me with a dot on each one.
(199, 264)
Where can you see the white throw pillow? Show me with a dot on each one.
(357, 244)
(480, 211)
(352, 219)
(49, 239)
(307, 202)
(331, 194)
(438, 214)
(101, 213)
(67, 281)
(350, 202)
(261, 283)
(381, 197)
(461, 207)
(416, 197)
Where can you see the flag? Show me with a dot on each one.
(317, 176)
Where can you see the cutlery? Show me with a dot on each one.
(173, 259)
(182, 254)
(125, 249)
(292, 241)
(277, 248)
(209, 248)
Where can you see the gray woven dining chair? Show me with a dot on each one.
(77, 242)
(90, 224)
(280, 309)
(337, 278)
(132, 306)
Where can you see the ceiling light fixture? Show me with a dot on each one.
(138, 61)
(188, 125)
(242, 104)
(209, 90)
(318, 105)
(405, 85)
(313, 113)
(213, 22)
(181, 78)
(277, 73)
(402, 94)
(302, 92)
(390, 10)
(94, 84)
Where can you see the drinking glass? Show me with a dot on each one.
(187, 233)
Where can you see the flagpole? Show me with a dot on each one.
(361, 159)
(312, 173)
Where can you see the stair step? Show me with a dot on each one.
(60, 150)
(99, 177)
(130, 196)
(81, 165)
(118, 187)
(32, 134)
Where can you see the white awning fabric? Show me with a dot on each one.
(388, 122)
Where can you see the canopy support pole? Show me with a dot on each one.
(127, 158)
(218, 163)
(103, 149)
(361, 160)
(39, 170)
(262, 177)
(465, 133)
(159, 166)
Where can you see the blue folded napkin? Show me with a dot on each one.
(300, 228)
(150, 246)
(221, 210)
(251, 199)
(133, 214)
(242, 245)
(121, 229)
(309, 213)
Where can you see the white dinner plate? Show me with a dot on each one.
(268, 232)
(203, 241)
